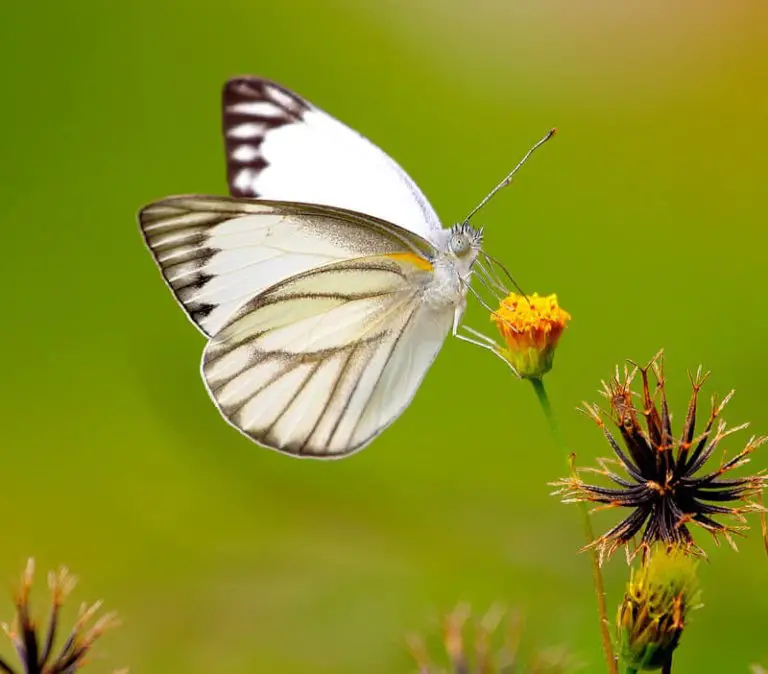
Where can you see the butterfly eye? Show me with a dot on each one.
(459, 244)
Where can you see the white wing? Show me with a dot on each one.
(281, 147)
(322, 363)
(216, 253)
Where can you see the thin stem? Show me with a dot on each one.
(763, 522)
(597, 575)
(667, 667)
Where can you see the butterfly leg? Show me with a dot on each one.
(479, 335)
(469, 340)
(479, 339)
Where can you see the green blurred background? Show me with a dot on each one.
(647, 215)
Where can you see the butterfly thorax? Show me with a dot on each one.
(451, 274)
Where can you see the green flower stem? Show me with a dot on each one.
(597, 576)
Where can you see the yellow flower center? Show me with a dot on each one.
(531, 327)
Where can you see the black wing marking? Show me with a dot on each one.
(251, 108)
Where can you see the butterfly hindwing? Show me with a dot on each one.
(321, 363)
(217, 253)
(279, 146)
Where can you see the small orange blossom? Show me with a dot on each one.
(531, 328)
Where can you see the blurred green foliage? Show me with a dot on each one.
(646, 215)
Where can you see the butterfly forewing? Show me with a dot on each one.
(251, 109)
(322, 363)
(217, 253)
(279, 146)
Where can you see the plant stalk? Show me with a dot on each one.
(597, 575)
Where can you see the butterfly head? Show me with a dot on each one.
(465, 241)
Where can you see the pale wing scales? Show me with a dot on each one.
(241, 379)
(299, 419)
(331, 330)
(334, 405)
(350, 281)
(305, 382)
(218, 253)
(354, 408)
(261, 411)
(279, 146)
(415, 350)
(330, 320)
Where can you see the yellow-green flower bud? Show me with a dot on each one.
(651, 618)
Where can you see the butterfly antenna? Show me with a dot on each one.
(511, 175)
(493, 261)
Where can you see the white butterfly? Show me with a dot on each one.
(326, 299)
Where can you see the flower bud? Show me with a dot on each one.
(652, 615)
(531, 328)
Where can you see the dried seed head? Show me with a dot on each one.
(35, 647)
(488, 645)
(660, 475)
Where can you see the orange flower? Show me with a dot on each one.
(531, 328)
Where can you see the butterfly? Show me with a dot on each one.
(325, 283)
